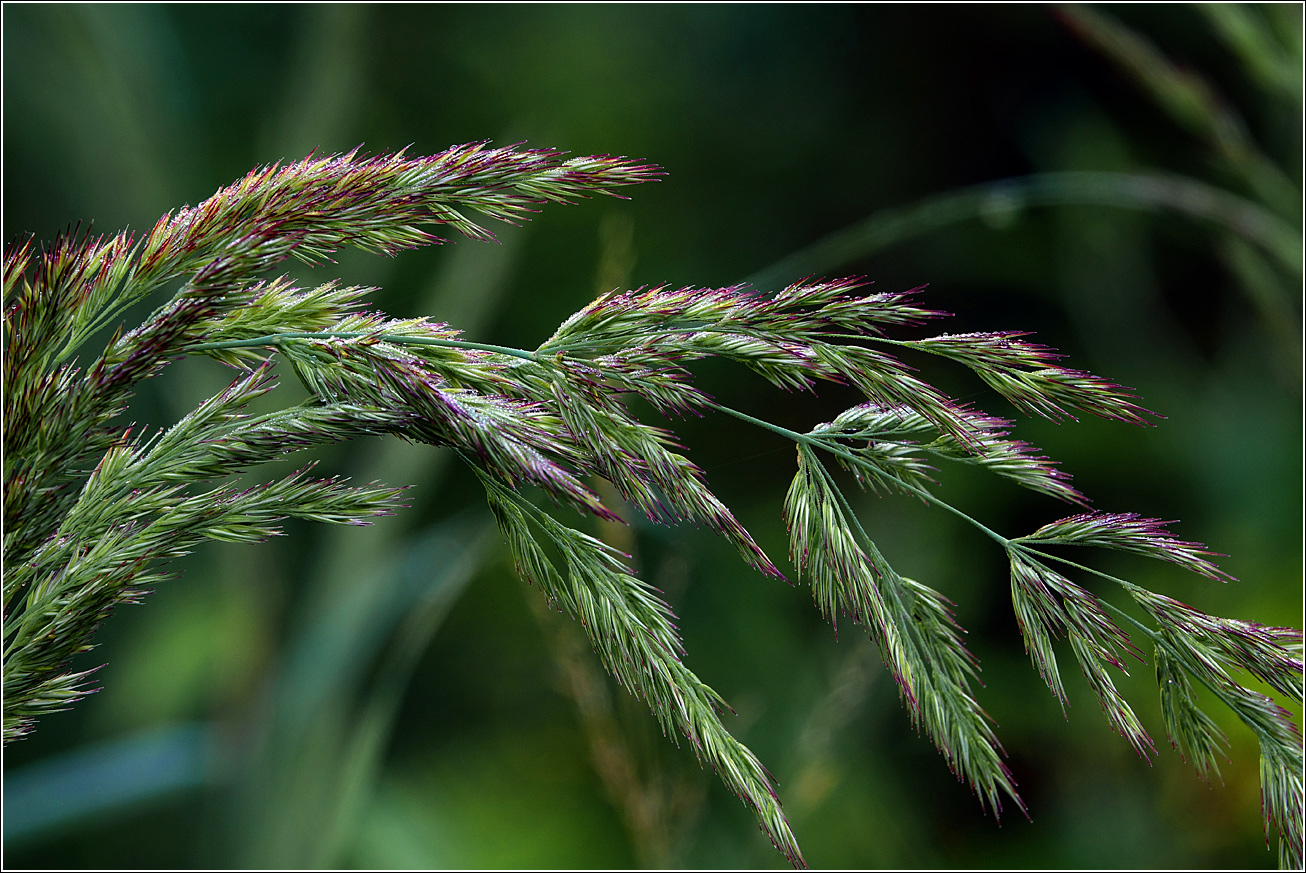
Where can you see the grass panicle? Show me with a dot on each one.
(93, 512)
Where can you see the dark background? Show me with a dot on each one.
(393, 696)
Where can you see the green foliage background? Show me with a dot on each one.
(394, 696)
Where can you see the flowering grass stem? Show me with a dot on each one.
(92, 513)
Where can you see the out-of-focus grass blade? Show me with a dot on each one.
(1188, 99)
(319, 747)
(320, 104)
(1245, 30)
(339, 646)
(1285, 20)
(1272, 297)
(90, 781)
(123, 67)
(1141, 191)
(365, 745)
(813, 763)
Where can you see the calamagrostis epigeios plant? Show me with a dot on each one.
(92, 512)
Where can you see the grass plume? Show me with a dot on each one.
(93, 512)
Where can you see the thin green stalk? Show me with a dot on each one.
(1016, 544)
(836, 449)
(871, 548)
(1156, 638)
(832, 448)
(806, 439)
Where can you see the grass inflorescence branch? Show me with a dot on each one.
(93, 512)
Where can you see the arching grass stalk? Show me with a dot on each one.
(92, 511)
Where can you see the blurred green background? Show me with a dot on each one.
(394, 696)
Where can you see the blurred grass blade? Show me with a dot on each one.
(319, 108)
(297, 784)
(1141, 191)
(1244, 29)
(1188, 99)
(1272, 295)
(365, 744)
(64, 791)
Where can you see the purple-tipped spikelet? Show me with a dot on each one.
(1274, 654)
(1130, 532)
(1048, 606)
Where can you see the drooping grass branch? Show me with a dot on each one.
(92, 512)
